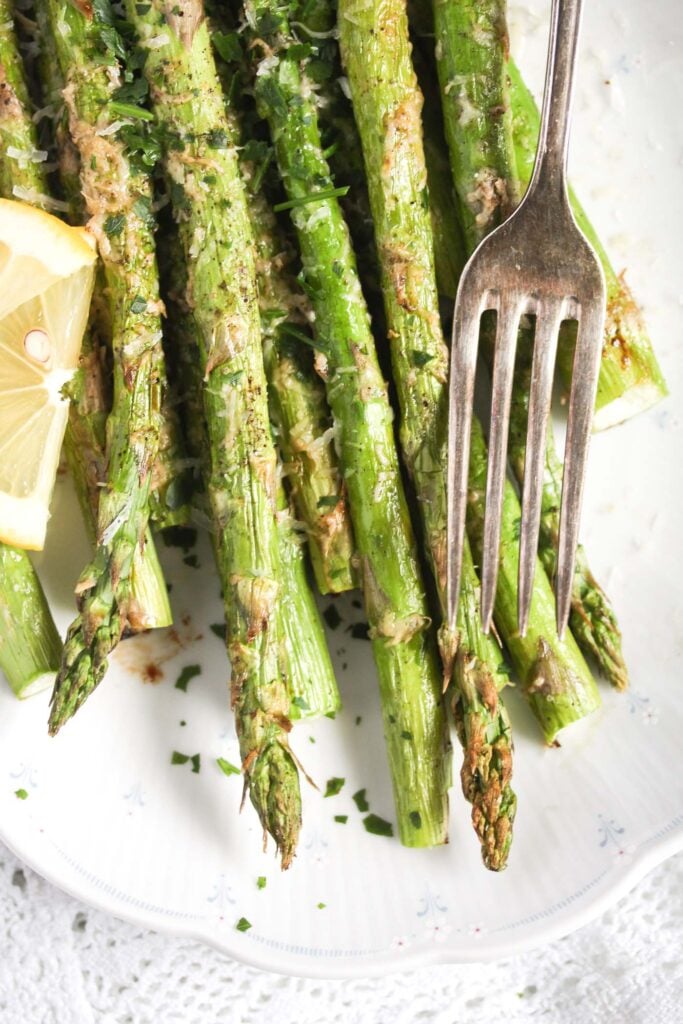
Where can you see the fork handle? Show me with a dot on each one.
(550, 168)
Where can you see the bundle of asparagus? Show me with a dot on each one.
(283, 398)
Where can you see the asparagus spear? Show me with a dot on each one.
(592, 618)
(554, 677)
(30, 647)
(117, 195)
(376, 54)
(630, 379)
(304, 655)
(214, 229)
(171, 477)
(471, 47)
(298, 406)
(395, 602)
(89, 389)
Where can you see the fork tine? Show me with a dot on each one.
(548, 321)
(585, 372)
(503, 370)
(465, 341)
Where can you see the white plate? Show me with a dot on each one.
(109, 819)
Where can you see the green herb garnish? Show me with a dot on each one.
(360, 800)
(334, 786)
(113, 225)
(378, 826)
(332, 616)
(421, 358)
(313, 197)
(226, 767)
(186, 674)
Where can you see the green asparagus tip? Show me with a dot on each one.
(273, 784)
(484, 730)
(595, 627)
(80, 673)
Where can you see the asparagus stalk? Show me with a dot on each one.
(171, 477)
(304, 655)
(471, 47)
(592, 619)
(215, 233)
(30, 647)
(395, 602)
(376, 54)
(89, 389)
(630, 378)
(554, 677)
(117, 196)
(298, 406)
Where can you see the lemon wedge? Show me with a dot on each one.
(47, 271)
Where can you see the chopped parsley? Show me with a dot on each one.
(218, 629)
(186, 674)
(243, 925)
(129, 110)
(261, 882)
(227, 46)
(183, 537)
(113, 225)
(360, 800)
(194, 759)
(313, 197)
(378, 826)
(226, 767)
(341, 818)
(334, 786)
(332, 616)
(421, 358)
(20, 794)
(415, 819)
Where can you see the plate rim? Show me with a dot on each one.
(614, 884)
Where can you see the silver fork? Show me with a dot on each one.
(538, 262)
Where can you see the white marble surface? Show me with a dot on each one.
(63, 963)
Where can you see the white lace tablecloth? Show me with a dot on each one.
(63, 963)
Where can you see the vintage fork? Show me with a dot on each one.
(537, 262)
